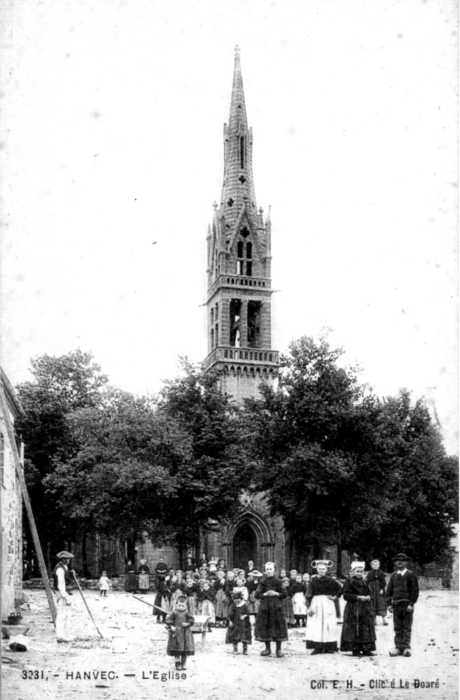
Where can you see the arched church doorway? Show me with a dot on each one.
(245, 546)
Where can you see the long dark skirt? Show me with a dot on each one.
(270, 621)
(130, 582)
(378, 604)
(358, 631)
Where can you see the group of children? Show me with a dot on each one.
(211, 589)
(270, 600)
(243, 600)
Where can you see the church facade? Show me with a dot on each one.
(239, 323)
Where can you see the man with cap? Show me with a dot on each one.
(402, 594)
(63, 587)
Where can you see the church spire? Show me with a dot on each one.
(238, 119)
(238, 186)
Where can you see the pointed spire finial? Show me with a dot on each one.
(237, 51)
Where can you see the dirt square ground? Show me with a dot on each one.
(130, 661)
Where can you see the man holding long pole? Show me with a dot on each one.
(63, 588)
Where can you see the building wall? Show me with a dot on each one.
(11, 519)
(455, 557)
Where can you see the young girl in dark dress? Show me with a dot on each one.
(358, 632)
(270, 622)
(205, 601)
(239, 624)
(180, 641)
(376, 581)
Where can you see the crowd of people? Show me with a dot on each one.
(248, 602)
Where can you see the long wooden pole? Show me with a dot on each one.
(25, 496)
(81, 593)
(151, 605)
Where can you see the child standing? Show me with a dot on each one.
(104, 584)
(220, 599)
(239, 624)
(297, 591)
(190, 591)
(206, 599)
(162, 597)
(270, 623)
(180, 642)
(240, 587)
(286, 604)
(377, 583)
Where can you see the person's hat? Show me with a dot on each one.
(326, 562)
(357, 565)
(143, 561)
(64, 555)
(401, 556)
(256, 574)
(375, 561)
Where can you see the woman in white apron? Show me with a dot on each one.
(321, 633)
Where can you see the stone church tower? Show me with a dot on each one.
(239, 267)
(239, 322)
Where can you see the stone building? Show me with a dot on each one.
(239, 322)
(11, 504)
(239, 347)
(239, 267)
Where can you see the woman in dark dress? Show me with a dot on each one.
(358, 632)
(377, 584)
(270, 622)
(130, 578)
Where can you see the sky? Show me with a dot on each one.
(112, 157)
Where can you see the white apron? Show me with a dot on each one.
(322, 625)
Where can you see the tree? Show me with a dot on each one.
(344, 467)
(119, 475)
(211, 479)
(61, 385)
(423, 493)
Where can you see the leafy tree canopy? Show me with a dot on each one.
(342, 466)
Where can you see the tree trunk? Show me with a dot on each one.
(339, 555)
(84, 555)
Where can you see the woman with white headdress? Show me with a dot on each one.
(322, 619)
(358, 632)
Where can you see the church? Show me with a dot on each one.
(238, 308)
(239, 322)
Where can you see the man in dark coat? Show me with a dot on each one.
(270, 621)
(358, 632)
(402, 594)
